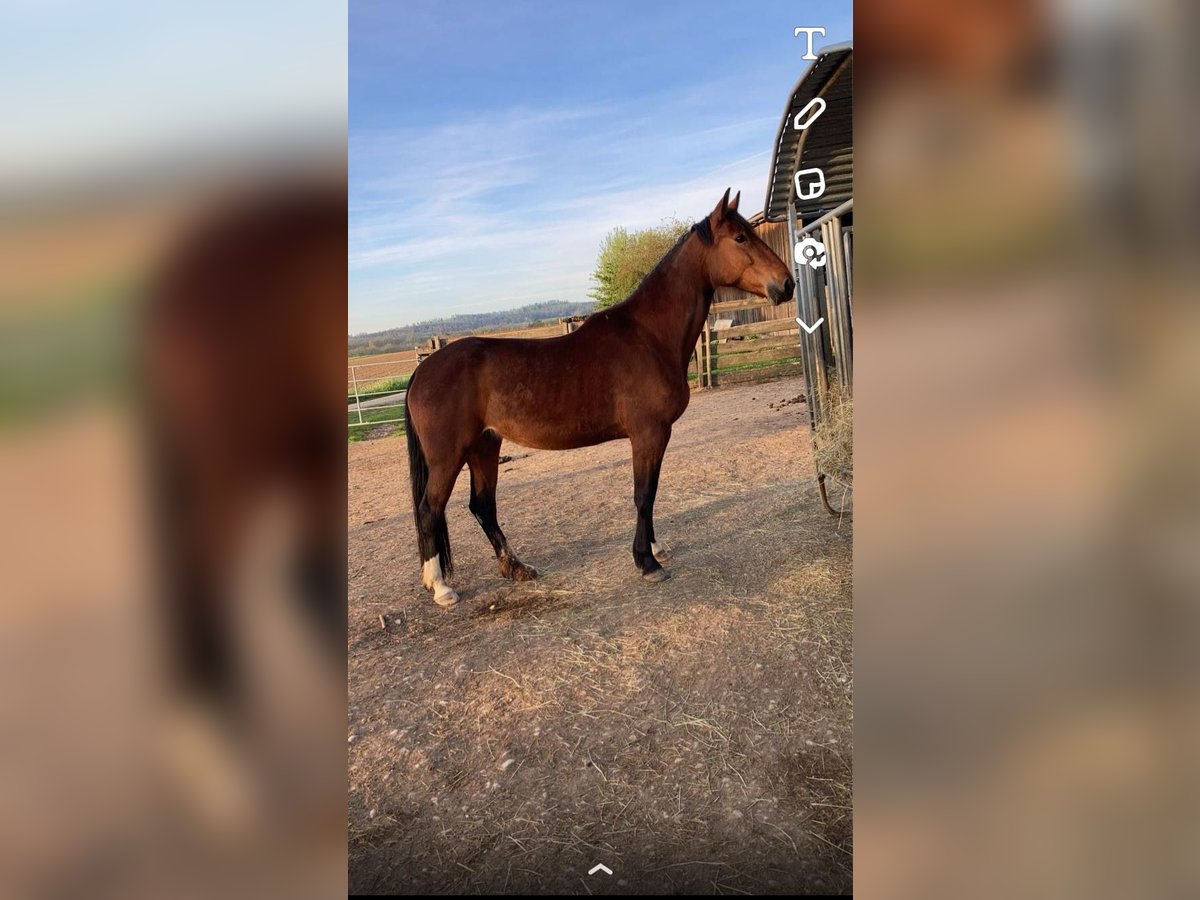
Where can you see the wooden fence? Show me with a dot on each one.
(754, 352)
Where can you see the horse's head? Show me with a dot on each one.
(739, 258)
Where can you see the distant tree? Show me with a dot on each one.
(626, 257)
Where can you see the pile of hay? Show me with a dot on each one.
(834, 454)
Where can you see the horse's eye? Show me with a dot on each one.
(741, 239)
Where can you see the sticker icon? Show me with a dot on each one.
(811, 251)
(815, 190)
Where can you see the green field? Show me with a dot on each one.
(373, 417)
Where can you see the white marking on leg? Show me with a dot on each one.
(660, 551)
(431, 577)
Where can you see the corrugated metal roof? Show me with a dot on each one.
(828, 144)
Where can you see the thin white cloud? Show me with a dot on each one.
(511, 208)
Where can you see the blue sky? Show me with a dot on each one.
(492, 146)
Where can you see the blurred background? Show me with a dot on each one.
(1026, 413)
(172, 292)
(1026, 408)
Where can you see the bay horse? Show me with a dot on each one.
(621, 374)
(241, 351)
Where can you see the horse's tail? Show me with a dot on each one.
(432, 534)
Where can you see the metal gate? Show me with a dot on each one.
(824, 293)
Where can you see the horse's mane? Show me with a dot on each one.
(701, 229)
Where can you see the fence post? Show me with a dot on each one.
(708, 349)
(357, 401)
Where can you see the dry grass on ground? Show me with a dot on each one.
(694, 736)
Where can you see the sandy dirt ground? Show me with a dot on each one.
(693, 736)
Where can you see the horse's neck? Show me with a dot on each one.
(673, 302)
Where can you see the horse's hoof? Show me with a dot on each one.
(662, 554)
(656, 576)
(446, 598)
(522, 572)
(516, 570)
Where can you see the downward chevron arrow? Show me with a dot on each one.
(810, 328)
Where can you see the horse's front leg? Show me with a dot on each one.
(484, 459)
(648, 450)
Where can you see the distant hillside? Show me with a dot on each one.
(409, 336)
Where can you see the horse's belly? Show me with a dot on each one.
(543, 436)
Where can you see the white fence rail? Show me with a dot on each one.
(358, 397)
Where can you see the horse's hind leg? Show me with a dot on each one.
(319, 559)
(484, 459)
(435, 539)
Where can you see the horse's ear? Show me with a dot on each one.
(718, 213)
(734, 203)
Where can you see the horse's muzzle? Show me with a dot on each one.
(781, 293)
